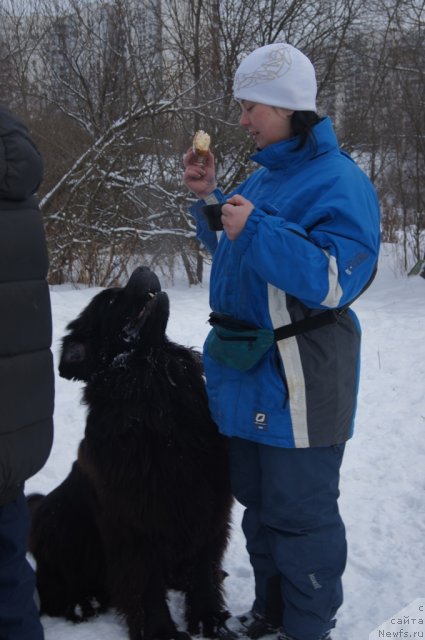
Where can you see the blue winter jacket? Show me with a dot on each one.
(310, 244)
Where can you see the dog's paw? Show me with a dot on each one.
(84, 610)
(213, 625)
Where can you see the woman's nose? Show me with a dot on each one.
(244, 120)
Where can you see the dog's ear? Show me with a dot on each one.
(73, 361)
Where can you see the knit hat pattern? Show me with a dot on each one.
(278, 75)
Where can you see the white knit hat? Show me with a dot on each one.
(278, 75)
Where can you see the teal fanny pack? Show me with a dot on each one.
(235, 343)
(241, 345)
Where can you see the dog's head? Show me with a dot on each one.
(116, 321)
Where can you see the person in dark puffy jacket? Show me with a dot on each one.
(300, 243)
(26, 369)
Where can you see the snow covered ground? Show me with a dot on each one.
(383, 480)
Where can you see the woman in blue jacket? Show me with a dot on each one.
(300, 242)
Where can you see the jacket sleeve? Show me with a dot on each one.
(327, 262)
(204, 234)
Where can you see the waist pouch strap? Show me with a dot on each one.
(308, 324)
(241, 345)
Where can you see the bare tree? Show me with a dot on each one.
(113, 92)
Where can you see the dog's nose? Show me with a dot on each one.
(143, 281)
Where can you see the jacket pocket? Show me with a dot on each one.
(282, 377)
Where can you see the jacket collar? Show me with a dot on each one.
(282, 155)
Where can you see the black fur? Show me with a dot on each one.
(146, 506)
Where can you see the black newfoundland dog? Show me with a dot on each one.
(146, 506)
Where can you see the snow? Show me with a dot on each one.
(382, 480)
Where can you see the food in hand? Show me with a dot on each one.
(201, 145)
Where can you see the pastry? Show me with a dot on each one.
(201, 145)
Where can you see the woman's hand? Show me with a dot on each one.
(198, 176)
(235, 214)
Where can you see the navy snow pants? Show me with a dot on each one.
(294, 532)
(19, 619)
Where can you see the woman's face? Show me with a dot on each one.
(265, 124)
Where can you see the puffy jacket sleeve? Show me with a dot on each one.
(208, 238)
(26, 361)
(326, 261)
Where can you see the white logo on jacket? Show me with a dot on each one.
(260, 420)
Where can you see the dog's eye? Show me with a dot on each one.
(113, 299)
